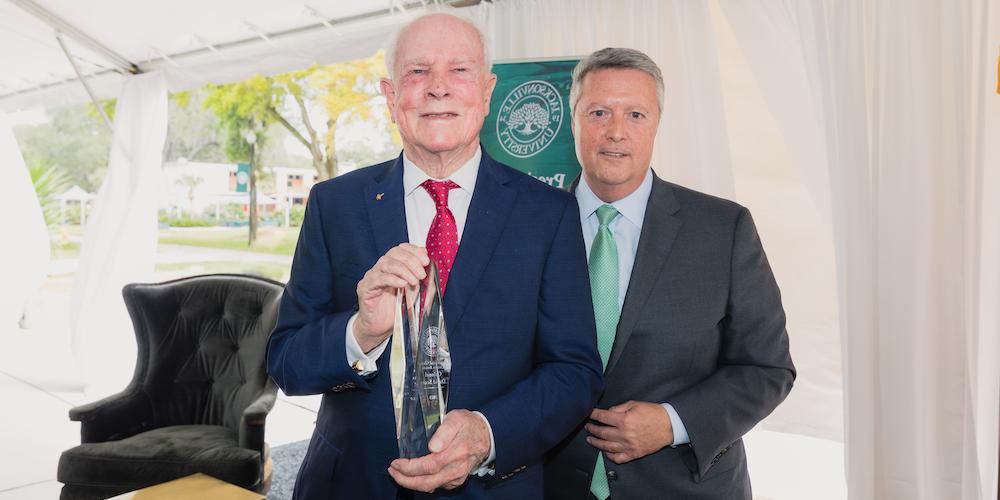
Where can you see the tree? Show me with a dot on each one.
(245, 109)
(277, 154)
(364, 152)
(311, 104)
(332, 95)
(193, 132)
(191, 182)
(73, 141)
(531, 117)
(49, 183)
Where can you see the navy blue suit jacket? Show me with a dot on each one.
(519, 318)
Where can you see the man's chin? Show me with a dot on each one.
(612, 173)
(443, 147)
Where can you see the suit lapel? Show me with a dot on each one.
(492, 201)
(386, 211)
(659, 229)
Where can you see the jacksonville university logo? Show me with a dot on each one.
(431, 345)
(529, 118)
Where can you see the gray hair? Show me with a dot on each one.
(484, 41)
(615, 58)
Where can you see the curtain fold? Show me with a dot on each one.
(26, 256)
(893, 100)
(119, 241)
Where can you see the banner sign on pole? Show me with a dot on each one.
(242, 177)
(528, 126)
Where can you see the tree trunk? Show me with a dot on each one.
(312, 143)
(331, 147)
(331, 164)
(319, 163)
(253, 195)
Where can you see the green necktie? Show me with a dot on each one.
(603, 266)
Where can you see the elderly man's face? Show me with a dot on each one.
(614, 126)
(440, 93)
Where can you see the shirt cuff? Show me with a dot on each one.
(680, 432)
(355, 356)
(487, 467)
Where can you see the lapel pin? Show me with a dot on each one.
(379, 196)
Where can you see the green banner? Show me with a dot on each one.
(242, 177)
(528, 126)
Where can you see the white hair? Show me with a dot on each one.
(484, 41)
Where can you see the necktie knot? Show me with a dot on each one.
(439, 191)
(605, 214)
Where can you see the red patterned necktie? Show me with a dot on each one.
(442, 238)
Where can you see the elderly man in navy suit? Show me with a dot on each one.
(513, 269)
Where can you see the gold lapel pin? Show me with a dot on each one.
(379, 196)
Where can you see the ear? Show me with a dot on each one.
(385, 85)
(491, 84)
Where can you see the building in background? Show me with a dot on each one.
(292, 185)
(203, 190)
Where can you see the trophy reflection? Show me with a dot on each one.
(419, 365)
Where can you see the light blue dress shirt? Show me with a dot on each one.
(626, 228)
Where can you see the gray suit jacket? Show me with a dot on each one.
(702, 328)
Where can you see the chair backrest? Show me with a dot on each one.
(201, 345)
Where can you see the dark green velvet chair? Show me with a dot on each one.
(198, 398)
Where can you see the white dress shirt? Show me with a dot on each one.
(420, 211)
(626, 228)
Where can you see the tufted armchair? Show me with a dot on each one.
(199, 395)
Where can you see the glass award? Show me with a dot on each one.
(419, 365)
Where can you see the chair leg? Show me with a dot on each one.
(266, 483)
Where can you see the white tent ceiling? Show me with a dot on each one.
(194, 41)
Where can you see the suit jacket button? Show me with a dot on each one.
(612, 475)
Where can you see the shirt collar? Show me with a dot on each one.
(465, 176)
(632, 207)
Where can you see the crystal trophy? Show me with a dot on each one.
(419, 365)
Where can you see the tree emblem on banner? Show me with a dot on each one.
(530, 118)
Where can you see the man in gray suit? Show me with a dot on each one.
(689, 319)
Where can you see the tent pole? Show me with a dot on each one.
(93, 98)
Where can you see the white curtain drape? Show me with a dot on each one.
(119, 242)
(889, 109)
(26, 254)
(691, 147)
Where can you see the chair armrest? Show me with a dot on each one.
(254, 416)
(115, 417)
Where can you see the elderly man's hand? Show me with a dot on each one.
(401, 266)
(630, 430)
(458, 447)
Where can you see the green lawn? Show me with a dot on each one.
(272, 270)
(276, 240)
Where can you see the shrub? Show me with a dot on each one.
(297, 214)
(188, 222)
